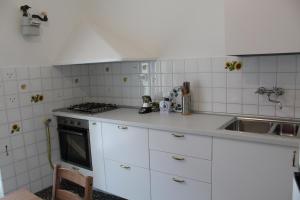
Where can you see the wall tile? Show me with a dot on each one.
(268, 64)
(250, 80)
(166, 80)
(267, 80)
(249, 97)
(234, 80)
(34, 72)
(178, 79)
(267, 110)
(9, 74)
(234, 108)
(205, 107)
(178, 66)
(219, 80)
(191, 66)
(286, 80)
(219, 95)
(22, 73)
(286, 111)
(205, 79)
(219, 107)
(287, 63)
(234, 95)
(250, 109)
(166, 66)
(205, 65)
(250, 64)
(10, 87)
(205, 95)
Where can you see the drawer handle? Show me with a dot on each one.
(178, 180)
(178, 158)
(94, 123)
(178, 135)
(124, 166)
(123, 127)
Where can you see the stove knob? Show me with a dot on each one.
(72, 122)
(78, 123)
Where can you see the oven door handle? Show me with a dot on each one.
(70, 132)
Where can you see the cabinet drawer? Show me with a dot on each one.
(127, 181)
(181, 165)
(185, 144)
(126, 144)
(165, 187)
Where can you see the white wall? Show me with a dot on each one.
(169, 28)
(43, 50)
(131, 29)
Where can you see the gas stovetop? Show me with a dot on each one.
(92, 108)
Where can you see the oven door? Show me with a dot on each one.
(75, 147)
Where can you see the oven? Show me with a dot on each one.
(74, 140)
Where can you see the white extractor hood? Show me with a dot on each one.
(89, 44)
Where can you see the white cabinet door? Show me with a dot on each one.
(251, 171)
(97, 155)
(127, 181)
(262, 26)
(126, 144)
(165, 187)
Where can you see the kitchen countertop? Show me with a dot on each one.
(199, 124)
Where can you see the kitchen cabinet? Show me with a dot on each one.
(180, 143)
(127, 181)
(126, 153)
(126, 144)
(170, 187)
(247, 170)
(184, 166)
(180, 166)
(97, 155)
(262, 26)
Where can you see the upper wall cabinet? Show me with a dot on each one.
(262, 26)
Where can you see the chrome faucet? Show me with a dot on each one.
(275, 91)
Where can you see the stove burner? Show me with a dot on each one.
(92, 107)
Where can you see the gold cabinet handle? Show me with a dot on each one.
(178, 158)
(123, 127)
(124, 166)
(178, 135)
(178, 180)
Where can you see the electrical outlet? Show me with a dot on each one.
(9, 74)
(12, 101)
(144, 68)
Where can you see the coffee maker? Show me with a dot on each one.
(147, 107)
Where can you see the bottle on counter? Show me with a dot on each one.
(186, 99)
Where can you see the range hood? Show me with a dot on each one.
(89, 44)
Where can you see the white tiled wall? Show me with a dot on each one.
(27, 164)
(214, 89)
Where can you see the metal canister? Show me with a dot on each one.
(186, 104)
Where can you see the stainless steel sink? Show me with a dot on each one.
(263, 126)
(286, 129)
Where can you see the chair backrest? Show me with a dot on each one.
(75, 177)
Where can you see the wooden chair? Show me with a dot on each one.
(75, 177)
